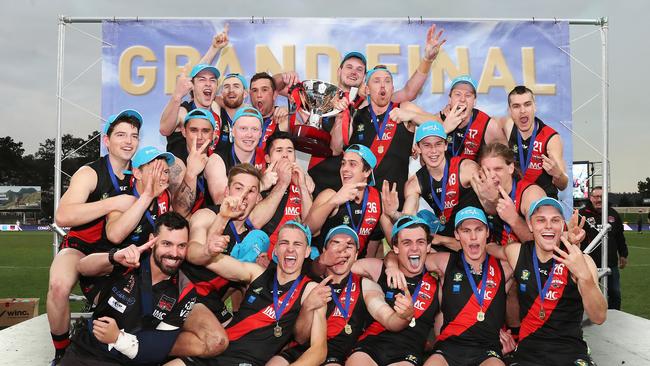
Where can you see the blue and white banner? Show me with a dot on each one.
(141, 60)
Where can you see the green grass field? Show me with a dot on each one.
(25, 259)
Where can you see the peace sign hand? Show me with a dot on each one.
(573, 259)
(506, 207)
(575, 233)
(389, 199)
(197, 159)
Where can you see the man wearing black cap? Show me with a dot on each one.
(537, 146)
(616, 246)
(467, 127)
(354, 299)
(557, 283)
(357, 203)
(95, 190)
(201, 84)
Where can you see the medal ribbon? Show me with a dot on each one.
(479, 294)
(146, 213)
(454, 151)
(354, 225)
(265, 135)
(348, 295)
(507, 227)
(111, 174)
(234, 232)
(440, 202)
(542, 291)
(280, 308)
(375, 120)
(236, 160)
(523, 164)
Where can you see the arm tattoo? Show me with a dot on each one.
(175, 177)
(184, 198)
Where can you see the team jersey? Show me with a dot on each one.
(534, 172)
(555, 324)
(392, 149)
(290, 208)
(177, 145)
(411, 340)
(87, 237)
(461, 309)
(456, 197)
(500, 232)
(326, 169)
(364, 219)
(467, 141)
(252, 334)
(136, 305)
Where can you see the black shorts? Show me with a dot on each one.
(101, 246)
(216, 306)
(92, 286)
(531, 357)
(195, 361)
(461, 355)
(292, 354)
(384, 354)
(76, 356)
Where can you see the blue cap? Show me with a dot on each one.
(304, 228)
(470, 212)
(367, 155)
(247, 111)
(255, 242)
(200, 67)
(354, 54)
(342, 229)
(463, 79)
(430, 128)
(405, 222)
(545, 201)
(377, 68)
(238, 76)
(200, 113)
(432, 220)
(125, 113)
(148, 154)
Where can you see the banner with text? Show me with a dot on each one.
(141, 60)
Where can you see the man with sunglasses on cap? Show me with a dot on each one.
(537, 146)
(354, 299)
(410, 238)
(467, 128)
(95, 190)
(386, 127)
(556, 284)
(277, 296)
(194, 192)
(201, 84)
(472, 297)
(357, 203)
(444, 183)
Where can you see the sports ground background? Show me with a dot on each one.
(25, 259)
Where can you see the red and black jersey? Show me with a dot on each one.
(146, 226)
(561, 325)
(460, 306)
(230, 159)
(534, 172)
(467, 141)
(129, 297)
(177, 145)
(392, 149)
(410, 340)
(327, 170)
(456, 198)
(366, 219)
(500, 232)
(251, 333)
(91, 232)
(290, 208)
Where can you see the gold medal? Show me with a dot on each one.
(480, 316)
(348, 329)
(277, 331)
(412, 323)
(443, 219)
(542, 314)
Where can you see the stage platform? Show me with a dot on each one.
(624, 339)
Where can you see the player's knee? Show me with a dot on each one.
(59, 289)
(215, 343)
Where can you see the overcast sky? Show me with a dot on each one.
(28, 40)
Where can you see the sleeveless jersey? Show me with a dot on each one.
(467, 141)
(412, 338)
(535, 173)
(460, 307)
(251, 332)
(499, 231)
(456, 198)
(326, 170)
(230, 159)
(177, 145)
(91, 232)
(365, 218)
(392, 150)
(290, 208)
(562, 323)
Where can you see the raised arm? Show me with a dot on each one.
(172, 115)
(99, 264)
(266, 208)
(554, 163)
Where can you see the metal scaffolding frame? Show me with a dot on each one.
(602, 23)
